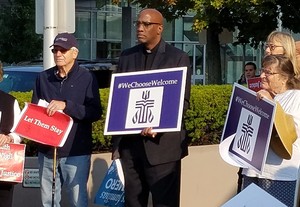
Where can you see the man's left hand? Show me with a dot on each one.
(54, 106)
(148, 132)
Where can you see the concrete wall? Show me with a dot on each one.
(207, 181)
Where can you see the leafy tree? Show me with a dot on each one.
(254, 19)
(290, 16)
(18, 41)
(171, 9)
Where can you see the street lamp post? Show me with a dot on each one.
(53, 17)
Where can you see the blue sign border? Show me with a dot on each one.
(243, 97)
(172, 98)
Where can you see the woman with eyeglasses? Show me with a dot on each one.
(281, 43)
(279, 176)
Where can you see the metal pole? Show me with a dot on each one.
(54, 175)
(50, 31)
(204, 64)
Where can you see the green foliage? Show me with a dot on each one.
(248, 17)
(22, 97)
(101, 142)
(290, 14)
(206, 116)
(18, 41)
(254, 19)
(171, 9)
(204, 120)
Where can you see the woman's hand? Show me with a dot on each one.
(5, 139)
(264, 94)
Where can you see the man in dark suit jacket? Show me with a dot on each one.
(152, 161)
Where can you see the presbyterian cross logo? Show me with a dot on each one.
(144, 107)
(144, 112)
(246, 134)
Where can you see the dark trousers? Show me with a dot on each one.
(240, 180)
(141, 178)
(6, 194)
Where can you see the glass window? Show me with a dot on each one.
(168, 31)
(114, 26)
(189, 34)
(101, 24)
(83, 24)
(109, 22)
(84, 49)
(234, 57)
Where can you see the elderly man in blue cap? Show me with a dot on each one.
(73, 90)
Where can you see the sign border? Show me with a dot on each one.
(239, 159)
(147, 72)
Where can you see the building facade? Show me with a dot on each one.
(99, 32)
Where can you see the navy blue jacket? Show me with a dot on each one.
(7, 112)
(81, 93)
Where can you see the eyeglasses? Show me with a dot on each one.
(267, 72)
(271, 46)
(144, 24)
(61, 50)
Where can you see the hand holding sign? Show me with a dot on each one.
(35, 124)
(54, 106)
(248, 128)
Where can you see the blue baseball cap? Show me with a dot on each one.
(65, 40)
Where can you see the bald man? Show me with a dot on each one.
(152, 161)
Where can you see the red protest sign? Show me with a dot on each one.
(12, 158)
(36, 125)
(254, 84)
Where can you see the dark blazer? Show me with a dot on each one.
(7, 110)
(169, 146)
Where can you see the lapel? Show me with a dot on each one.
(160, 56)
(138, 58)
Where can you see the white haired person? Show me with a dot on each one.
(279, 176)
(74, 90)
